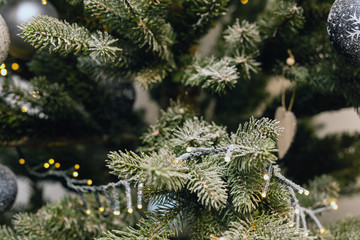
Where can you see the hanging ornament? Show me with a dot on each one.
(4, 40)
(16, 12)
(8, 188)
(287, 121)
(343, 26)
(122, 95)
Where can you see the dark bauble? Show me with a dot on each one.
(122, 95)
(4, 40)
(343, 28)
(8, 188)
(16, 12)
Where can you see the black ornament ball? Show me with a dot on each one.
(122, 96)
(8, 188)
(343, 28)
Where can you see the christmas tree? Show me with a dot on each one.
(73, 97)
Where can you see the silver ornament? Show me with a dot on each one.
(8, 188)
(16, 12)
(343, 26)
(4, 40)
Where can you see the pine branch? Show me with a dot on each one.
(206, 181)
(284, 18)
(157, 170)
(8, 233)
(217, 75)
(245, 36)
(246, 64)
(197, 132)
(152, 34)
(60, 36)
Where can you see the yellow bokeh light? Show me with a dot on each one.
(57, 165)
(75, 174)
(2, 66)
(301, 191)
(306, 193)
(101, 209)
(77, 166)
(15, 66)
(43, 2)
(263, 194)
(89, 182)
(46, 165)
(188, 149)
(3, 72)
(88, 211)
(139, 206)
(130, 210)
(51, 161)
(244, 1)
(322, 230)
(116, 212)
(24, 109)
(227, 159)
(22, 161)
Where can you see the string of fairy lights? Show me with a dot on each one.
(272, 171)
(81, 186)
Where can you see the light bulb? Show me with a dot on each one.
(88, 211)
(297, 211)
(101, 209)
(227, 159)
(75, 174)
(89, 182)
(139, 206)
(51, 161)
(116, 212)
(266, 177)
(263, 194)
(322, 230)
(188, 149)
(334, 204)
(57, 165)
(22, 161)
(306, 193)
(130, 210)
(3, 72)
(76, 166)
(24, 109)
(301, 191)
(46, 165)
(306, 234)
(244, 1)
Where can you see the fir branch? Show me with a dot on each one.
(245, 191)
(60, 36)
(197, 132)
(152, 34)
(206, 181)
(246, 64)
(211, 73)
(244, 37)
(282, 17)
(8, 233)
(146, 230)
(157, 170)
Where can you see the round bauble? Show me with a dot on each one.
(4, 40)
(343, 28)
(8, 188)
(16, 12)
(122, 95)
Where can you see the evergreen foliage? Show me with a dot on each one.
(210, 195)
